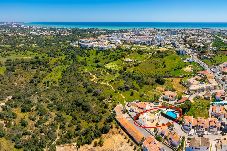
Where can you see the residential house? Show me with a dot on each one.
(182, 100)
(129, 127)
(171, 137)
(174, 139)
(198, 144)
(150, 144)
(208, 95)
(169, 96)
(163, 131)
(220, 96)
(189, 123)
(218, 112)
(214, 126)
(202, 126)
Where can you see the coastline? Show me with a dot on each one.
(131, 25)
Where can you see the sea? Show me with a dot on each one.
(132, 25)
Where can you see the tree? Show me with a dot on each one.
(106, 128)
(101, 142)
(23, 122)
(160, 80)
(2, 133)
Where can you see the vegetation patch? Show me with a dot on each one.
(199, 108)
(216, 60)
(2, 70)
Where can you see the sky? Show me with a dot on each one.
(113, 10)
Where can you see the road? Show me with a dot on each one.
(217, 73)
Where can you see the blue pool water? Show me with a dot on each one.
(171, 114)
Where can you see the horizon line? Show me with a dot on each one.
(125, 22)
(113, 22)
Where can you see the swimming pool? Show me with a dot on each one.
(171, 114)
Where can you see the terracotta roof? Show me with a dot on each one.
(182, 100)
(131, 129)
(118, 110)
(219, 94)
(218, 109)
(205, 72)
(164, 130)
(151, 144)
(141, 105)
(214, 122)
(190, 120)
(174, 136)
(203, 122)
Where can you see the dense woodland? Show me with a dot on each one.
(55, 93)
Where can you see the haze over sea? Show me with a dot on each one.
(131, 25)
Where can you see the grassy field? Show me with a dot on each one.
(19, 55)
(216, 60)
(200, 108)
(135, 79)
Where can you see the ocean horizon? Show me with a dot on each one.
(131, 25)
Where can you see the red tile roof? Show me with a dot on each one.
(182, 100)
(151, 144)
(131, 129)
(190, 120)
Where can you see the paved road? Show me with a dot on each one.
(218, 75)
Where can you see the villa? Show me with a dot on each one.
(218, 112)
(163, 131)
(182, 100)
(189, 123)
(169, 96)
(214, 126)
(220, 96)
(171, 137)
(150, 144)
(174, 139)
(128, 126)
(200, 125)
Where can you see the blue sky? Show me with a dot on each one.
(114, 10)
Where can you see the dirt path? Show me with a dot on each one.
(54, 142)
(95, 79)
